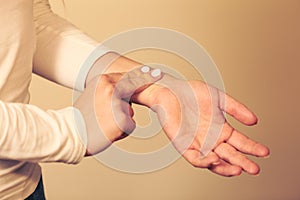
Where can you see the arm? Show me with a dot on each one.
(61, 48)
(149, 97)
(227, 155)
(31, 134)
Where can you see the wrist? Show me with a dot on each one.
(151, 96)
(111, 62)
(160, 93)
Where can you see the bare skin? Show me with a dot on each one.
(107, 114)
(228, 156)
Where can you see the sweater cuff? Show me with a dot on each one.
(78, 135)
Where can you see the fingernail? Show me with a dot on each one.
(145, 69)
(156, 73)
(216, 163)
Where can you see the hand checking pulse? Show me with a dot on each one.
(105, 107)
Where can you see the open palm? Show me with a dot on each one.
(191, 114)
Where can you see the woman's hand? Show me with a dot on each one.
(105, 108)
(191, 113)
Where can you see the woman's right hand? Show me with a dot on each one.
(105, 105)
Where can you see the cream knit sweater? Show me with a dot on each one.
(34, 39)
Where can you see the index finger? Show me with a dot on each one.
(236, 109)
(137, 80)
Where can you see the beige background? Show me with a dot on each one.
(256, 45)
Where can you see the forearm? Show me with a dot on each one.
(33, 135)
(69, 57)
(61, 48)
(112, 63)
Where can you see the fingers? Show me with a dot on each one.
(226, 169)
(246, 145)
(213, 162)
(233, 157)
(236, 109)
(130, 83)
(137, 80)
(194, 157)
(122, 114)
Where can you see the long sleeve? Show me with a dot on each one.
(31, 134)
(61, 48)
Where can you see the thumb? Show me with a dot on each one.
(136, 81)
